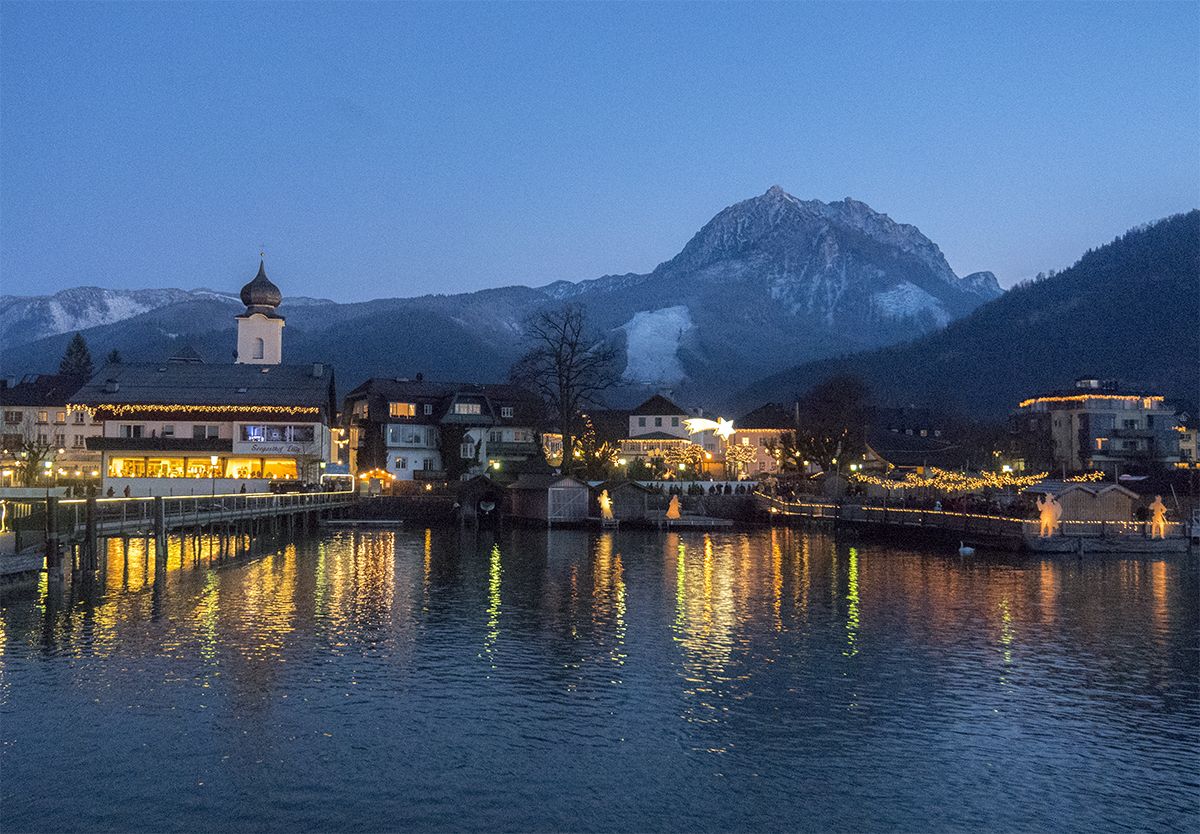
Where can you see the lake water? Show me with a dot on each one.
(432, 680)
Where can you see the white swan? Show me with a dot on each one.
(963, 550)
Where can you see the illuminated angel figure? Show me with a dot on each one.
(721, 427)
(673, 508)
(1049, 512)
(1158, 518)
(605, 503)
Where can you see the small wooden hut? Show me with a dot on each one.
(1090, 502)
(550, 499)
(631, 501)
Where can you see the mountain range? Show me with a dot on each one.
(768, 283)
(1129, 311)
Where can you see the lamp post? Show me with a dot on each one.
(212, 470)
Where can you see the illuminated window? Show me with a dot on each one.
(402, 409)
(280, 469)
(401, 463)
(60, 416)
(277, 434)
(467, 408)
(360, 408)
(43, 417)
(745, 441)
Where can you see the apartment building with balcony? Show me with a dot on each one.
(418, 430)
(1099, 424)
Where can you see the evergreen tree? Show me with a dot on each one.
(114, 357)
(77, 361)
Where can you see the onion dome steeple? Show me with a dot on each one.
(260, 295)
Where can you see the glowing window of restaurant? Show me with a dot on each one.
(273, 433)
(282, 469)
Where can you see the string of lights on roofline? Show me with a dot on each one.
(941, 479)
(1078, 398)
(125, 409)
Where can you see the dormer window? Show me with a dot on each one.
(467, 408)
(506, 411)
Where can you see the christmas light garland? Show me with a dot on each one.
(940, 479)
(125, 409)
(1087, 478)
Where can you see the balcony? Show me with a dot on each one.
(511, 450)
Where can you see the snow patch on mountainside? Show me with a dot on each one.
(906, 300)
(652, 341)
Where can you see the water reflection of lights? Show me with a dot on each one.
(495, 571)
(852, 615)
(608, 595)
(1007, 635)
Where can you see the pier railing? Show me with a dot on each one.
(952, 521)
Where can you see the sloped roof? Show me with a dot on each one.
(538, 482)
(766, 416)
(442, 395)
(912, 449)
(41, 389)
(658, 404)
(184, 383)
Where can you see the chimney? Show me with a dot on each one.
(111, 386)
(420, 377)
(318, 370)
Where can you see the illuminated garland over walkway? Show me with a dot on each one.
(945, 481)
(126, 409)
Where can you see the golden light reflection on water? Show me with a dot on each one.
(608, 595)
(495, 572)
(852, 615)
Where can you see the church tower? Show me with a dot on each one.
(260, 328)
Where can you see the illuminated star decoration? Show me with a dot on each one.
(721, 427)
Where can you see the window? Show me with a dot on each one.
(360, 409)
(200, 432)
(428, 409)
(675, 422)
(641, 422)
(13, 418)
(78, 417)
(495, 437)
(401, 463)
(745, 441)
(60, 416)
(168, 431)
(466, 408)
(41, 438)
(658, 422)
(78, 441)
(60, 440)
(924, 432)
(467, 450)
(130, 430)
(259, 348)
(506, 411)
(427, 464)
(276, 434)
(43, 417)
(1129, 424)
(402, 409)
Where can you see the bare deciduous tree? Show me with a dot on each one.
(30, 447)
(568, 367)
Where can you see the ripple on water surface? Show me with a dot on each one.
(436, 679)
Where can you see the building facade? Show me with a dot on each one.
(183, 427)
(37, 423)
(761, 433)
(1099, 425)
(417, 430)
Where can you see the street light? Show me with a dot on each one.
(212, 470)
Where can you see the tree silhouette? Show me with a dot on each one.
(77, 361)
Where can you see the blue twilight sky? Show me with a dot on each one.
(398, 149)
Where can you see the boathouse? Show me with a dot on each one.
(549, 498)
(1090, 502)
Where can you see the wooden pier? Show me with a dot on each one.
(987, 530)
(52, 528)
